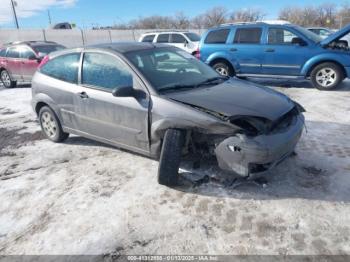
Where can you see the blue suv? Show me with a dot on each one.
(277, 50)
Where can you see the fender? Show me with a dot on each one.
(224, 55)
(43, 98)
(342, 59)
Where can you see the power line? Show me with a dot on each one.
(14, 12)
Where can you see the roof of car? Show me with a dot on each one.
(124, 47)
(166, 32)
(31, 43)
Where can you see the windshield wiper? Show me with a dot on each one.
(212, 80)
(190, 86)
(175, 87)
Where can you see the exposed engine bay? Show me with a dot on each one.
(257, 145)
(339, 45)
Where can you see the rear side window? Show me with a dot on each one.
(217, 36)
(63, 67)
(163, 38)
(105, 71)
(178, 39)
(13, 52)
(248, 36)
(148, 39)
(3, 52)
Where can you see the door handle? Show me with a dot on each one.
(270, 50)
(233, 49)
(83, 95)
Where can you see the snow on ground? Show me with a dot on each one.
(83, 197)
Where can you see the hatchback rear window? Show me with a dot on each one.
(63, 67)
(163, 38)
(47, 49)
(3, 52)
(148, 39)
(248, 36)
(217, 36)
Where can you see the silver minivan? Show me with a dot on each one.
(162, 102)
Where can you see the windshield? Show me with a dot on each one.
(46, 49)
(170, 68)
(310, 35)
(193, 37)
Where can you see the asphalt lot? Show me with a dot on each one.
(83, 197)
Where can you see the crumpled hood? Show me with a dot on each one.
(237, 98)
(337, 35)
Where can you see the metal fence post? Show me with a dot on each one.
(44, 35)
(82, 36)
(110, 36)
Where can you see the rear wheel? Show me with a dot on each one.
(327, 76)
(7, 80)
(51, 126)
(170, 157)
(223, 69)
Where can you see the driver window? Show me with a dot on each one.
(25, 53)
(105, 71)
(278, 36)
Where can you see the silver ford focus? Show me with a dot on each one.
(161, 102)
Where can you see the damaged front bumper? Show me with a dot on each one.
(247, 156)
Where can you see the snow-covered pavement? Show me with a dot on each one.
(83, 197)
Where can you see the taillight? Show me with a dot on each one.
(44, 61)
(197, 54)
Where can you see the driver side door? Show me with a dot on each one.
(281, 55)
(118, 120)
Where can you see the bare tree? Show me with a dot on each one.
(343, 15)
(247, 15)
(321, 15)
(180, 21)
(214, 17)
(198, 22)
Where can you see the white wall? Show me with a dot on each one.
(73, 38)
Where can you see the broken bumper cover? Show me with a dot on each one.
(251, 155)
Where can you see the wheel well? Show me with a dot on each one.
(39, 106)
(222, 60)
(327, 61)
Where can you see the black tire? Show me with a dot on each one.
(223, 69)
(336, 76)
(170, 157)
(58, 135)
(6, 79)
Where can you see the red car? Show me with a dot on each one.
(19, 60)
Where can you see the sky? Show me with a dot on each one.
(88, 13)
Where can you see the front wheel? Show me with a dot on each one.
(170, 157)
(7, 80)
(223, 69)
(51, 126)
(327, 76)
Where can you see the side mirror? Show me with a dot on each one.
(185, 43)
(298, 41)
(123, 91)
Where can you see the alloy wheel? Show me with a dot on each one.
(49, 124)
(5, 78)
(222, 71)
(326, 77)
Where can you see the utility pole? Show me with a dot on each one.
(13, 4)
(48, 14)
